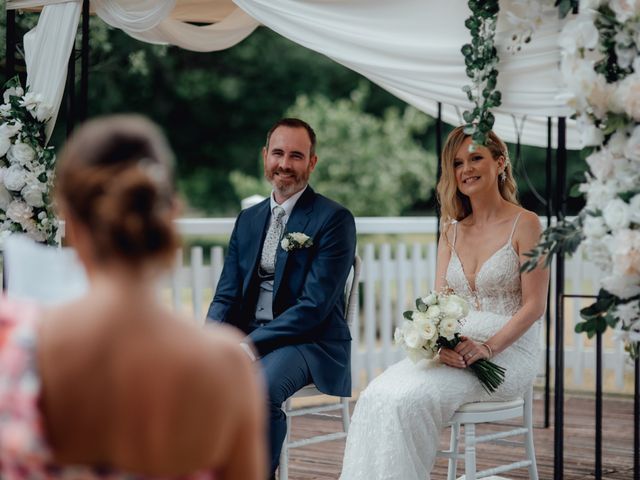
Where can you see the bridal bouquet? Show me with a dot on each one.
(435, 324)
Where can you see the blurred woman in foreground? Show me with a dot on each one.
(115, 382)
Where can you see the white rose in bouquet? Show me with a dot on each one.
(32, 194)
(21, 153)
(454, 306)
(430, 299)
(433, 311)
(448, 328)
(15, 178)
(19, 212)
(413, 336)
(594, 227)
(616, 214)
(425, 325)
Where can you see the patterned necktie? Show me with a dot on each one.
(271, 241)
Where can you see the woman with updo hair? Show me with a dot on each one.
(114, 381)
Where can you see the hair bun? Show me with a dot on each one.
(114, 176)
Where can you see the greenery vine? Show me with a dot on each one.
(481, 60)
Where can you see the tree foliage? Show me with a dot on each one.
(373, 165)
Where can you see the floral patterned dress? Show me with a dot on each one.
(24, 453)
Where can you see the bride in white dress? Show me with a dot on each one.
(396, 425)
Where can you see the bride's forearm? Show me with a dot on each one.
(514, 328)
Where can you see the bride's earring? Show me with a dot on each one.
(502, 176)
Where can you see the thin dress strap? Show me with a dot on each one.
(513, 229)
(455, 234)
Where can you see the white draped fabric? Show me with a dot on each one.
(412, 49)
(47, 48)
(409, 47)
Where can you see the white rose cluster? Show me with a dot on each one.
(26, 166)
(437, 315)
(608, 113)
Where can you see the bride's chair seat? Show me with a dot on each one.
(470, 414)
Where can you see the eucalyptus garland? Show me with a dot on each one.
(481, 60)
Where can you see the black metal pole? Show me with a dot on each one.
(84, 63)
(549, 213)
(10, 57)
(561, 172)
(439, 165)
(598, 472)
(636, 419)
(71, 92)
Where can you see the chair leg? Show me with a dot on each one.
(453, 448)
(283, 469)
(346, 419)
(470, 451)
(529, 446)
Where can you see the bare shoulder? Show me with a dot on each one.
(529, 223)
(528, 231)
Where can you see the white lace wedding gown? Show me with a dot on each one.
(396, 425)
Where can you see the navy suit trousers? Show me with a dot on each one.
(286, 372)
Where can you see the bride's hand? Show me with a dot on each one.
(471, 351)
(451, 358)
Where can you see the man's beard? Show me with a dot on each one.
(289, 186)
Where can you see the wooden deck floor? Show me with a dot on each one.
(324, 460)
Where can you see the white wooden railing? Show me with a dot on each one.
(398, 255)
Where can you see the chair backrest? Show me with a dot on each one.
(351, 290)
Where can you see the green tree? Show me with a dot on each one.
(372, 165)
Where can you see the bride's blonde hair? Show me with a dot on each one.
(454, 205)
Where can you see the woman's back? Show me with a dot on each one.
(134, 388)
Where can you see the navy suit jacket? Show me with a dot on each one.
(308, 290)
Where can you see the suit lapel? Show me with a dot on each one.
(261, 218)
(297, 222)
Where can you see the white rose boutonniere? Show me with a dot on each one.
(296, 240)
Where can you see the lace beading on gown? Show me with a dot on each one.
(396, 425)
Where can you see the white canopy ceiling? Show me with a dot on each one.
(409, 47)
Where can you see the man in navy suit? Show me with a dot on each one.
(290, 301)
